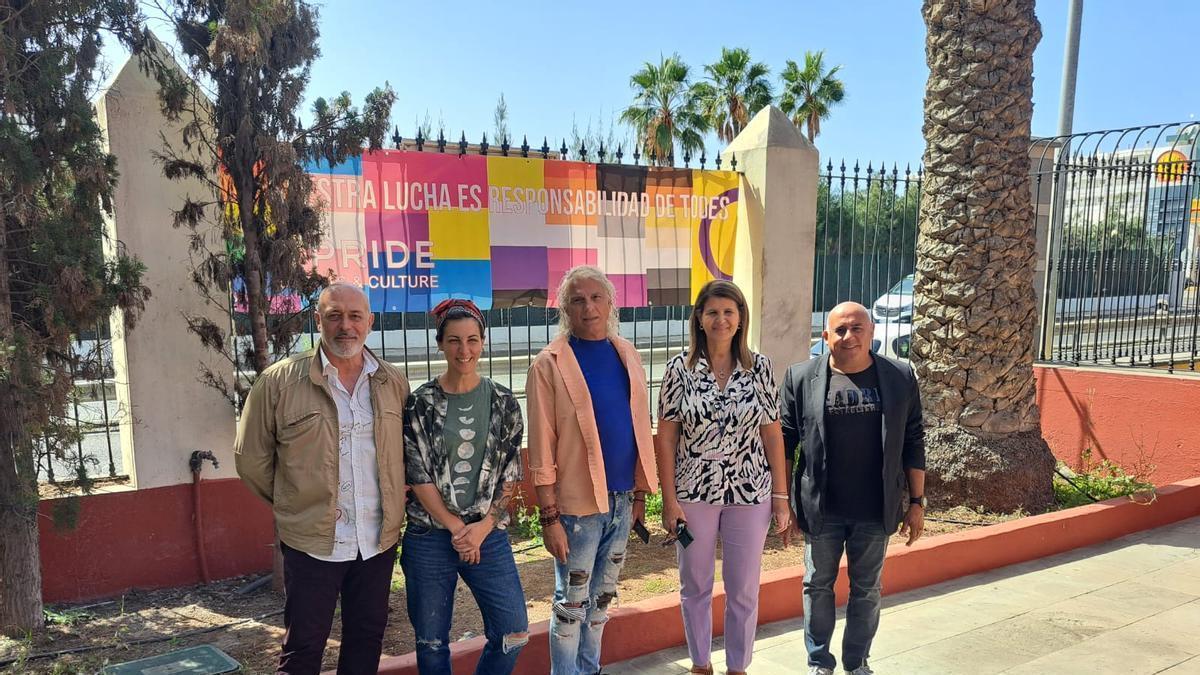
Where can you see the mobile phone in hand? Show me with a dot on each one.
(682, 535)
(640, 530)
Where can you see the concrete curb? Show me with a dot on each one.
(655, 624)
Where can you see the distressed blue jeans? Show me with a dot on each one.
(586, 585)
(431, 571)
(865, 544)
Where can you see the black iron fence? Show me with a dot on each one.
(1122, 210)
(1119, 212)
(866, 246)
(84, 443)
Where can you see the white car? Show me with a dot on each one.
(895, 306)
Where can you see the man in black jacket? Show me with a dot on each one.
(855, 418)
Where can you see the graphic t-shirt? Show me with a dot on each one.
(854, 445)
(465, 435)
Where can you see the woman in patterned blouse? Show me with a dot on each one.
(462, 440)
(722, 467)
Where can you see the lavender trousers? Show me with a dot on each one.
(743, 532)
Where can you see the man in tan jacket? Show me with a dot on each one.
(321, 439)
(591, 460)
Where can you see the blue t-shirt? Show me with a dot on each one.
(608, 383)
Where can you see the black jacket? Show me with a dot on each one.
(803, 411)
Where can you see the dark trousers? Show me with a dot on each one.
(313, 587)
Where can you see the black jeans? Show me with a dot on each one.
(313, 587)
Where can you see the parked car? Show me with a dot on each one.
(895, 306)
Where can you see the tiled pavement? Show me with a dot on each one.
(1127, 606)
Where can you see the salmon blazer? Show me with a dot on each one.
(564, 442)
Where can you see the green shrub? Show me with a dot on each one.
(525, 524)
(1102, 480)
(653, 506)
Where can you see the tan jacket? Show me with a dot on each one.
(564, 443)
(287, 449)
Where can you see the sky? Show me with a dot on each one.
(559, 63)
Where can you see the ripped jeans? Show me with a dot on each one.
(431, 571)
(586, 586)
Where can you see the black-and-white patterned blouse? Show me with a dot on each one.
(427, 460)
(720, 458)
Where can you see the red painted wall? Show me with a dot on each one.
(1134, 418)
(146, 539)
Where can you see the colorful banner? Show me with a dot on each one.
(415, 228)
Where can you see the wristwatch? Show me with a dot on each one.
(919, 501)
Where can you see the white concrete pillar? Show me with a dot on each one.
(774, 254)
(166, 411)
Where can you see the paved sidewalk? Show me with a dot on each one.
(1131, 605)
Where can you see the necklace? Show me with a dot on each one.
(721, 374)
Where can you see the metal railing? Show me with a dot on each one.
(1123, 210)
(866, 247)
(87, 442)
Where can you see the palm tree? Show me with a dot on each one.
(735, 89)
(664, 112)
(975, 317)
(808, 93)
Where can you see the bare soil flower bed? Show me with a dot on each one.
(249, 627)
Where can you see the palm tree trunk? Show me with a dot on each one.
(974, 308)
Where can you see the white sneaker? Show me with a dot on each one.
(864, 669)
(819, 670)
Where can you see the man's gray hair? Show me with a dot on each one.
(577, 274)
(343, 286)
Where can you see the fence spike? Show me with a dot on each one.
(600, 152)
(620, 153)
(733, 161)
(702, 158)
(441, 141)
(545, 148)
(483, 145)
(396, 139)
(718, 161)
(420, 140)
(582, 151)
(504, 146)
(562, 152)
(687, 158)
(462, 144)
(637, 154)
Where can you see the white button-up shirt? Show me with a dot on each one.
(359, 507)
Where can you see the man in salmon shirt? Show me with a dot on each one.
(591, 459)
